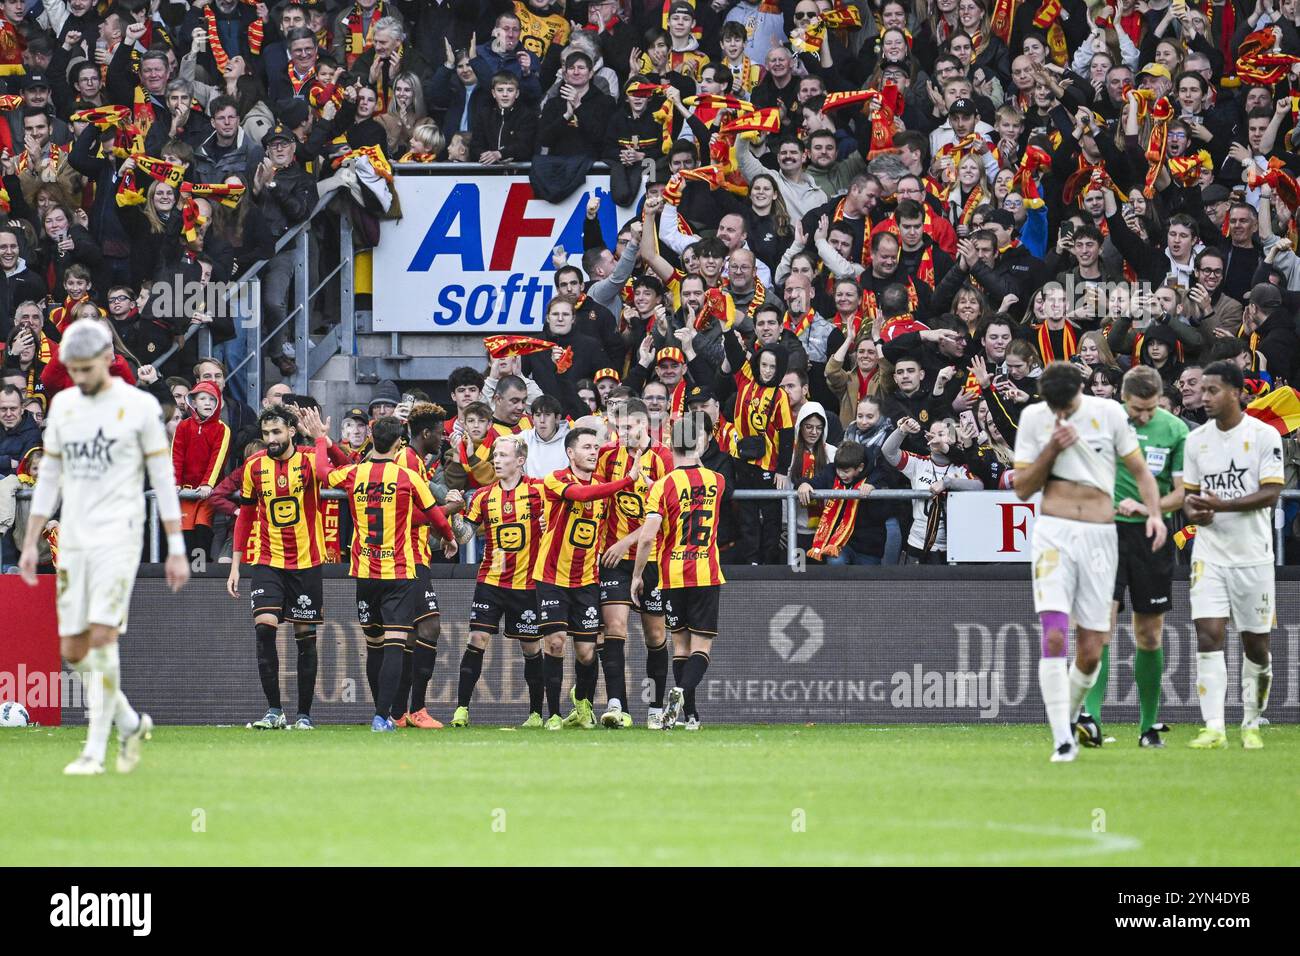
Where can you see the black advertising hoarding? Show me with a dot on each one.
(950, 647)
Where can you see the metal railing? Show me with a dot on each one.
(789, 514)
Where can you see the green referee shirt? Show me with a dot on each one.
(1162, 440)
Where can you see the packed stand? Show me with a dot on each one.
(860, 231)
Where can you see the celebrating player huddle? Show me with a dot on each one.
(1226, 475)
(557, 552)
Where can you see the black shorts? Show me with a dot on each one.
(1146, 575)
(426, 604)
(572, 610)
(693, 609)
(616, 588)
(387, 605)
(494, 604)
(297, 596)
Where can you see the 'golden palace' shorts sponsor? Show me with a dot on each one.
(512, 611)
(616, 587)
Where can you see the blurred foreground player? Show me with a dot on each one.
(1067, 447)
(682, 513)
(100, 438)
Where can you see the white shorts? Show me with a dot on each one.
(94, 587)
(1074, 569)
(1243, 594)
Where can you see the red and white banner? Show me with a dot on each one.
(990, 526)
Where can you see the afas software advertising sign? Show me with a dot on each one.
(473, 255)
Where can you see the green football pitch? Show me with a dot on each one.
(738, 795)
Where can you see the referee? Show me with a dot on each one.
(1146, 575)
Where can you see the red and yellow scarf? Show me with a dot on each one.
(1069, 343)
(361, 33)
(219, 52)
(837, 522)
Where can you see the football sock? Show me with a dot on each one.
(402, 695)
(533, 678)
(1080, 684)
(374, 663)
(679, 668)
(696, 665)
(585, 676)
(268, 664)
(308, 663)
(1212, 687)
(102, 700)
(1097, 694)
(656, 668)
(1255, 682)
(553, 677)
(471, 666)
(1054, 685)
(422, 665)
(1147, 669)
(614, 663)
(124, 716)
(390, 675)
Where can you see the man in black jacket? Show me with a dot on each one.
(19, 432)
(506, 131)
(573, 123)
(1278, 344)
(286, 196)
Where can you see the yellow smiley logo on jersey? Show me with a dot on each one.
(583, 533)
(758, 421)
(510, 537)
(630, 504)
(283, 511)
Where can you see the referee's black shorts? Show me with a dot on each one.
(1147, 575)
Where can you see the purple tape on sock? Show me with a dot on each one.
(1057, 621)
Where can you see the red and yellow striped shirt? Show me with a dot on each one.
(409, 459)
(627, 511)
(512, 532)
(384, 498)
(288, 531)
(575, 524)
(762, 410)
(688, 499)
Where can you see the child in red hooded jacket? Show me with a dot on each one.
(198, 456)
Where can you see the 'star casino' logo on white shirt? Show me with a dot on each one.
(89, 457)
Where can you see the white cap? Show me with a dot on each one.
(84, 339)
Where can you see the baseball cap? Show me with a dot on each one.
(1155, 69)
(1265, 296)
(680, 7)
(35, 80)
(670, 354)
(606, 373)
(357, 412)
(699, 394)
(1215, 193)
(963, 106)
(278, 132)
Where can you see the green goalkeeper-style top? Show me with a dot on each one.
(1162, 440)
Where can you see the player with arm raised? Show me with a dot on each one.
(631, 420)
(100, 438)
(1233, 473)
(567, 572)
(280, 532)
(1067, 447)
(509, 511)
(386, 501)
(682, 516)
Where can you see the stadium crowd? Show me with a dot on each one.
(860, 231)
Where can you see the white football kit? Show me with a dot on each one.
(101, 445)
(1074, 562)
(1232, 556)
